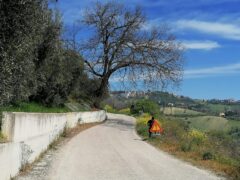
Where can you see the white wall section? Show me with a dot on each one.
(29, 134)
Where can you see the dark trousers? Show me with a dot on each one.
(149, 134)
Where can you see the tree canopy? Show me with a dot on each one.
(35, 65)
(120, 44)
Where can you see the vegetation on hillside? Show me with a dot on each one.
(36, 64)
(229, 109)
(39, 71)
(33, 107)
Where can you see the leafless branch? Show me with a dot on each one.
(119, 44)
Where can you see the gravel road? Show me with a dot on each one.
(113, 151)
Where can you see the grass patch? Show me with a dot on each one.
(29, 107)
(125, 111)
(33, 107)
(207, 123)
(78, 107)
(110, 109)
(217, 150)
(2, 138)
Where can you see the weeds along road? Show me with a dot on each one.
(113, 151)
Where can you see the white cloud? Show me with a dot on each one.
(229, 31)
(148, 25)
(201, 45)
(213, 71)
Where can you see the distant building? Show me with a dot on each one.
(170, 104)
(129, 94)
(222, 114)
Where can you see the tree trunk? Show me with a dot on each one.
(101, 92)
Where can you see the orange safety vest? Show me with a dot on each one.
(156, 128)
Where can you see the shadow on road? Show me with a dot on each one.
(119, 124)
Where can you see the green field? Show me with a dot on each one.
(181, 112)
(219, 108)
(207, 123)
(200, 121)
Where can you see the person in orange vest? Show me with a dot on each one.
(150, 123)
(154, 127)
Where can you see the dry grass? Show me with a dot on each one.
(195, 159)
(172, 142)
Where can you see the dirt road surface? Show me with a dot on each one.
(113, 151)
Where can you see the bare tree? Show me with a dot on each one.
(121, 44)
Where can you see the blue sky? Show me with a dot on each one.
(210, 32)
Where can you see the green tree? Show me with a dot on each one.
(49, 66)
(21, 26)
(35, 63)
(146, 106)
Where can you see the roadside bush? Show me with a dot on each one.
(186, 147)
(234, 131)
(197, 137)
(207, 156)
(175, 130)
(191, 139)
(124, 111)
(133, 110)
(145, 106)
(109, 108)
(142, 128)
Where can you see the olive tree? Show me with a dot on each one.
(21, 24)
(120, 44)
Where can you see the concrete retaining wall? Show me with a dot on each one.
(10, 160)
(29, 134)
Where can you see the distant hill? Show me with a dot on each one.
(164, 98)
(229, 108)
